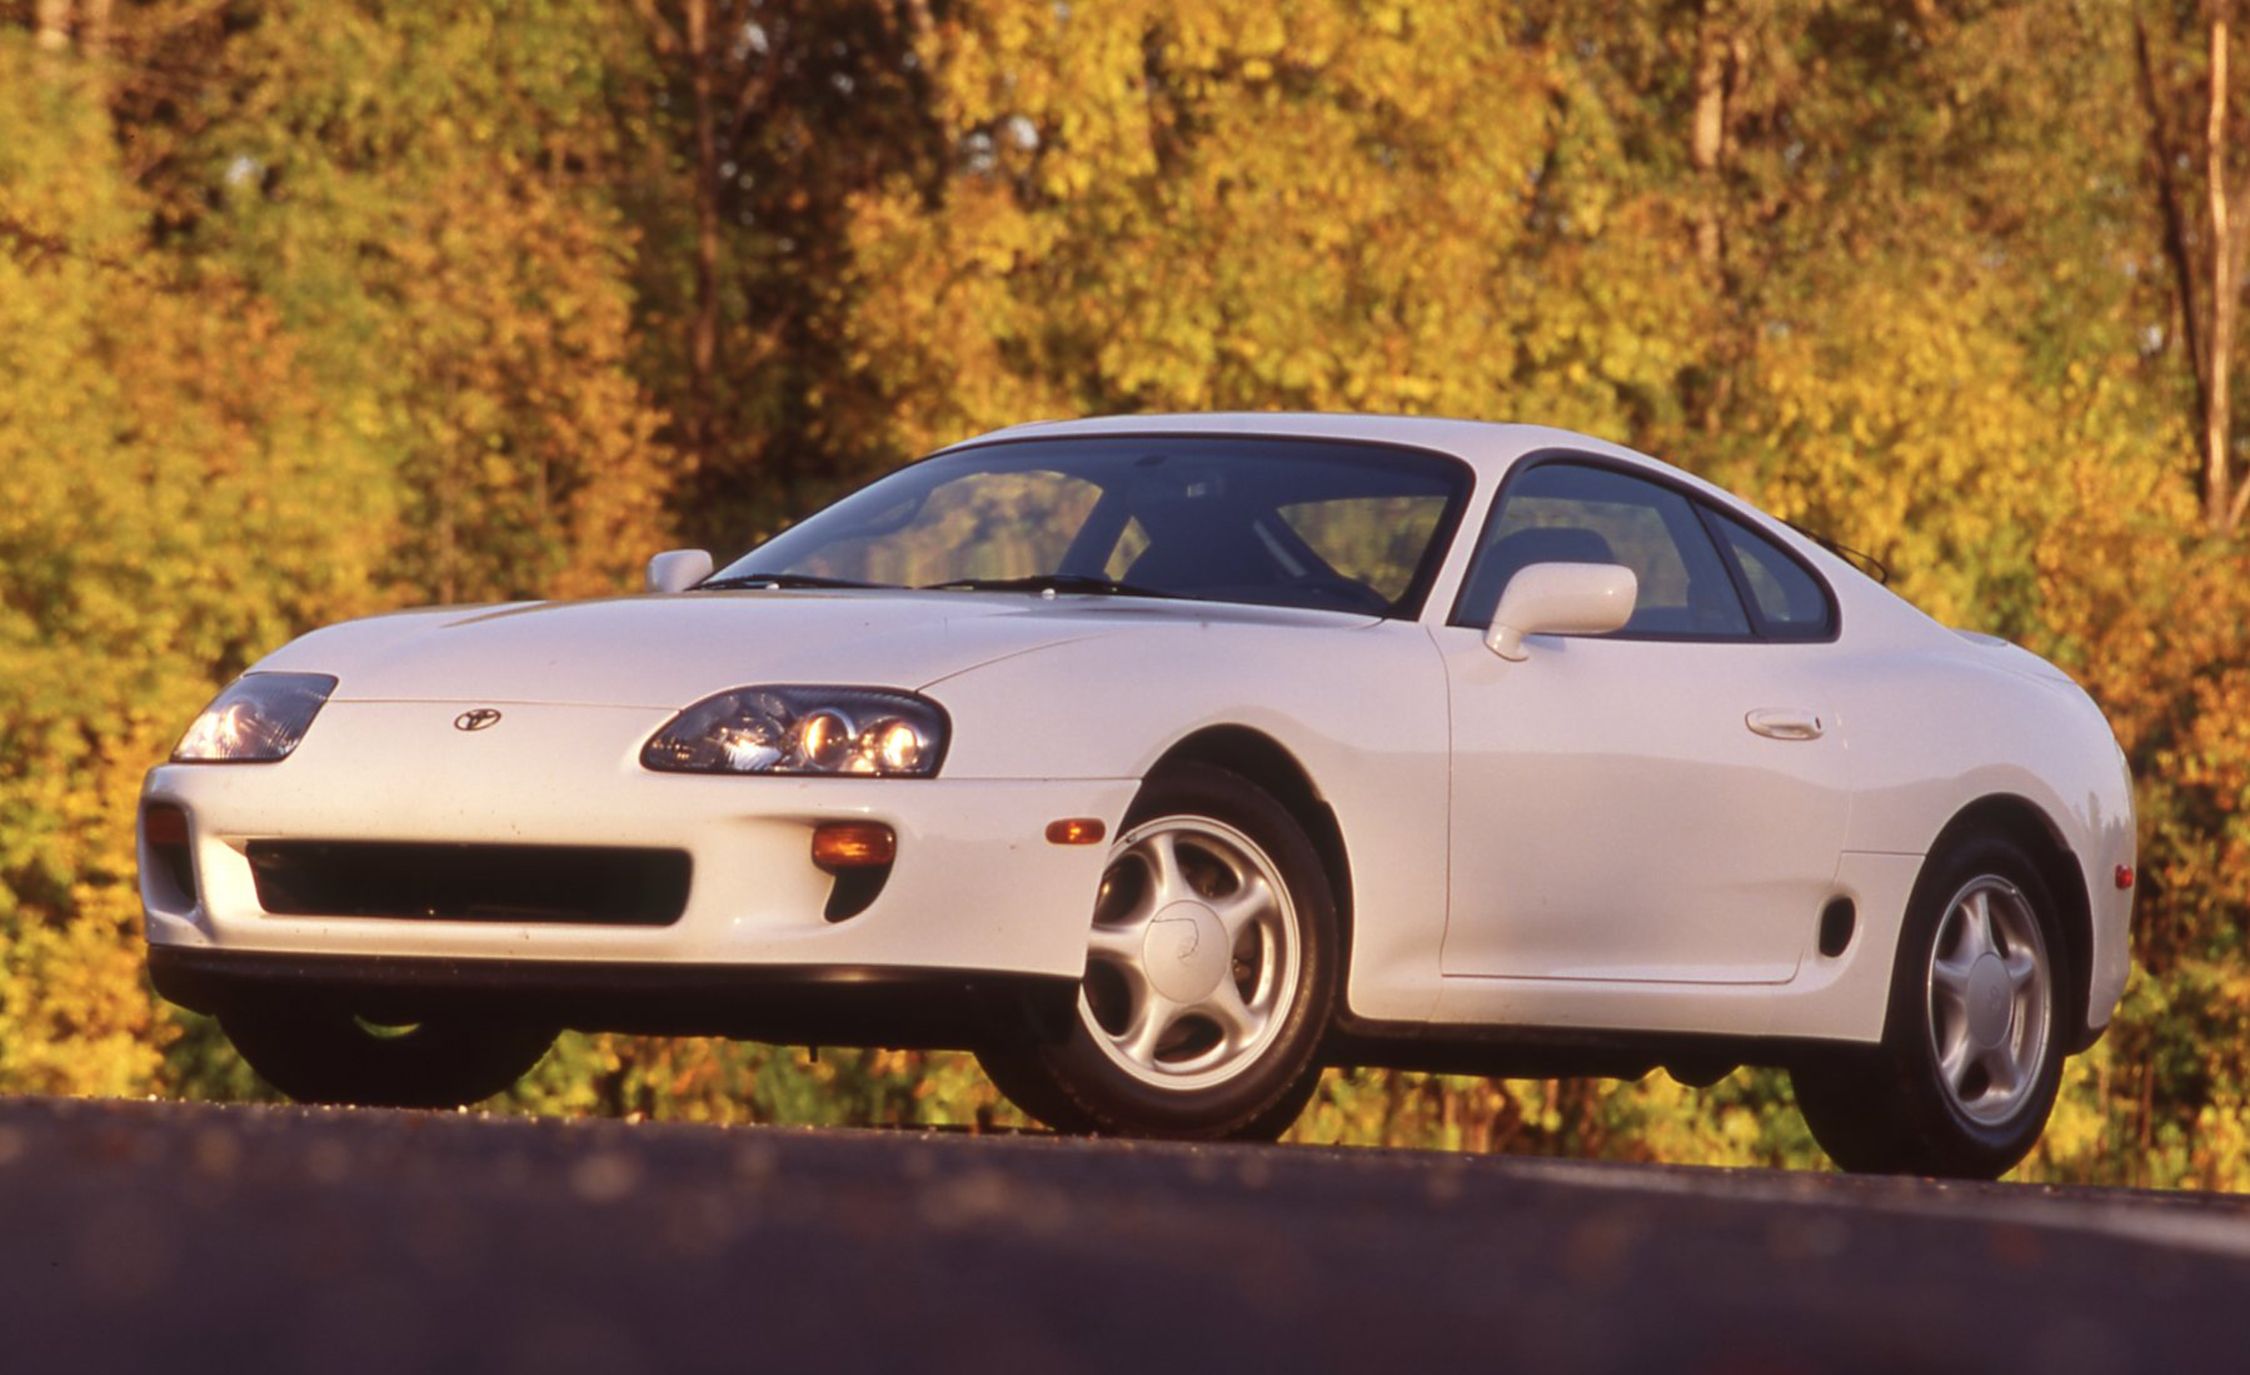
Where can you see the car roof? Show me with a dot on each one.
(1488, 446)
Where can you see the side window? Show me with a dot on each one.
(1790, 600)
(1569, 513)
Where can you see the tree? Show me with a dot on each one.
(310, 309)
(425, 200)
(756, 124)
(2206, 237)
(1149, 206)
(166, 490)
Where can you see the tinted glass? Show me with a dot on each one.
(1790, 600)
(1566, 513)
(1321, 524)
(1375, 540)
(971, 525)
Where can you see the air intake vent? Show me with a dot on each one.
(164, 832)
(500, 883)
(1837, 922)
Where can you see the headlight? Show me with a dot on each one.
(258, 719)
(803, 730)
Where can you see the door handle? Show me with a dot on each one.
(1786, 723)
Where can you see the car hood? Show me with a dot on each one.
(668, 651)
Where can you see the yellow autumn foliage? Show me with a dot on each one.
(310, 309)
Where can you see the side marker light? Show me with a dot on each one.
(164, 824)
(1076, 830)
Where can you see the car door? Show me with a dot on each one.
(1666, 803)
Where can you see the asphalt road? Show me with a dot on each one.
(150, 1236)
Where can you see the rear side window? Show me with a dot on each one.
(1566, 513)
(1790, 601)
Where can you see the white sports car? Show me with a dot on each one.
(1163, 761)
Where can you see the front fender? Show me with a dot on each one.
(1362, 708)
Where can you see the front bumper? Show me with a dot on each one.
(976, 890)
(801, 1005)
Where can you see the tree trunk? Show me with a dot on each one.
(703, 330)
(93, 29)
(1707, 136)
(2207, 269)
(2218, 418)
(50, 22)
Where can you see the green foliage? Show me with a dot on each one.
(423, 199)
(313, 309)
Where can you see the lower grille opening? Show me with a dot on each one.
(854, 891)
(506, 883)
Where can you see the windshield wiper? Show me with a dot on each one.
(1050, 582)
(780, 580)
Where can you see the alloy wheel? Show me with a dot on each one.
(1194, 954)
(1990, 999)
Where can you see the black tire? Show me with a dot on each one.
(1076, 1085)
(1014, 1067)
(1285, 1110)
(332, 1057)
(1887, 1109)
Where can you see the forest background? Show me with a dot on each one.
(314, 308)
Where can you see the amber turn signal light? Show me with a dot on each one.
(853, 845)
(164, 825)
(1076, 830)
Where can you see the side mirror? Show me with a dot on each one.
(1561, 599)
(677, 570)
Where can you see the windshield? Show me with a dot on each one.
(1322, 524)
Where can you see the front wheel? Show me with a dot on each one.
(1211, 969)
(1972, 1053)
(329, 1056)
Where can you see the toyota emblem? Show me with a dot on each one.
(476, 720)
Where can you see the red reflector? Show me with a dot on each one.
(853, 845)
(1076, 830)
(2124, 876)
(164, 825)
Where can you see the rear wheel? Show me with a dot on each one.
(1211, 968)
(329, 1056)
(1973, 1049)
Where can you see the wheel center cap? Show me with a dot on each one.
(1991, 1002)
(1185, 952)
